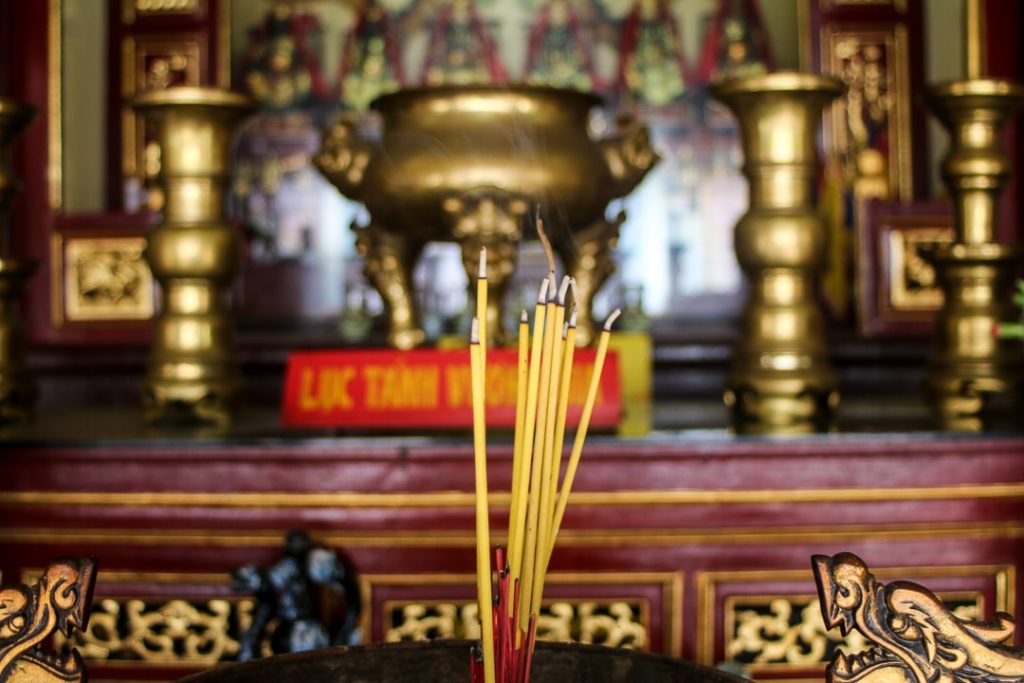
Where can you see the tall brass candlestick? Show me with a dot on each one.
(781, 378)
(17, 392)
(974, 40)
(193, 254)
(971, 371)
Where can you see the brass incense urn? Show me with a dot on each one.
(194, 254)
(469, 163)
(17, 392)
(972, 373)
(781, 379)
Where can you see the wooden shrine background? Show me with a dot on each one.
(694, 547)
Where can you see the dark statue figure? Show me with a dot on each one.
(296, 598)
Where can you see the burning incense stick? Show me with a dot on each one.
(508, 624)
(481, 301)
(483, 532)
(563, 404)
(581, 431)
(533, 516)
(526, 448)
(522, 377)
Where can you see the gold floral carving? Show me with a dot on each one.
(612, 624)
(912, 279)
(106, 278)
(789, 631)
(165, 6)
(173, 631)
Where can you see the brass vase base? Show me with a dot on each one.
(209, 401)
(974, 377)
(779, 406)
(17, 391)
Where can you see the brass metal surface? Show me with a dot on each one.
(31, 615)
(17, 392)
(467, 164)
(193, 254)
(917, 639)
(781, 379)
(972, 373)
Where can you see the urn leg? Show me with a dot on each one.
(390, 259)
(502, 255)
(588, 259)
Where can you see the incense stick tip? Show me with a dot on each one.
(611, 319)
(524, 319)
(572, 316)
(482, 270)
(564, 289)
(542, 295)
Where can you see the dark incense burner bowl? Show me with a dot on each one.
(448, 662)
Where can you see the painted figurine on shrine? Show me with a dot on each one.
(282, 69)
(372, 65)
(559, 54)
(461, 50)
(737, 44)
(652, 69)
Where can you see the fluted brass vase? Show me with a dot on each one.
(972, 374)
(781, 379)
(466, 164)
(194, 255)
(17, 392)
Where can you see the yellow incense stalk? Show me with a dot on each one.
(481, 302)
(533, 501)
(517, 449)
(526, 449)
(483, 533)
(563, 403)
(581, 431)
(546, 504)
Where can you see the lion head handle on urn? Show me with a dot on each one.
(629, 154)
(344, 155)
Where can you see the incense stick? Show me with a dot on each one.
(563, 404)
(483, 533)
(533, 517)
(481, 301)
(581, 431)
(526, 450)
(546, 503)
(522, 376)
(546, 358)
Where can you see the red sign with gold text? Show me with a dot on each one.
(424, 388)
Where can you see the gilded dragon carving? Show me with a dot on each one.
(30, 615)
(916, 638)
